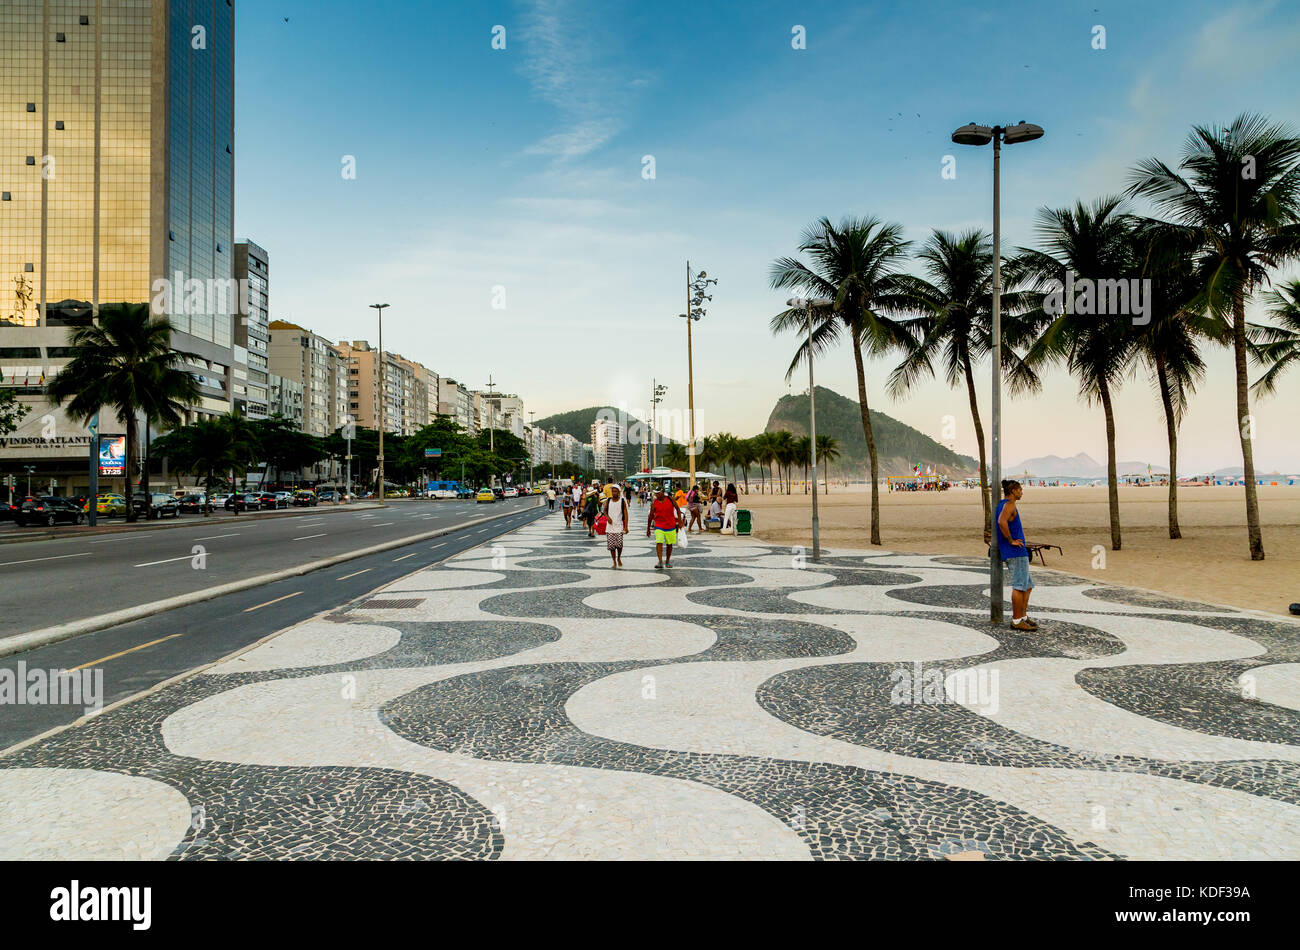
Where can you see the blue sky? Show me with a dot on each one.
(482, 170)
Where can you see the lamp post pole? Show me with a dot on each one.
(812, 435)
(383, 395)
(532, 440)
(690, 370)
(972, 134)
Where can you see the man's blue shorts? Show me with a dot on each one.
(1018, 567)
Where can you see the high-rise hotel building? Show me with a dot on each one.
(116, 170)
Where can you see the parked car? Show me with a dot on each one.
(244, 501)
(305, 499)
(485, 494)
(111, 505)
(9, 509)
(219, 500)
(268, 500)
(329, 497)
(286, 496)
(194, 503)
(160, 505)
(49, 510)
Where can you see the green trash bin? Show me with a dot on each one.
(744, 521)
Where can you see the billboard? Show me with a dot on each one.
(112, 455)
(433, 453)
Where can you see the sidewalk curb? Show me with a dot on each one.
(123, 527)
(39, 638)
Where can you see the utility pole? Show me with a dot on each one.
(492, 445)
(532, 438)
(383, 395)
(690, 370)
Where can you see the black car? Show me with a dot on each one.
(49, 510)
(272, 500)
(328, 496)
(244, 501)
(194, 503)
(160, 505)
(305, 499)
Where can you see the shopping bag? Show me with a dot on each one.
(601, 524)
(682, 539)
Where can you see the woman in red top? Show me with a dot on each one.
(665, 517)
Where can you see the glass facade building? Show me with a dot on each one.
(116, 172)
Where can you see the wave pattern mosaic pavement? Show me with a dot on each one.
(524, 701)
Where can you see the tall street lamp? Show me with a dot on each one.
(383, 394)
(973, 134)
(807, 305)
(657, 396)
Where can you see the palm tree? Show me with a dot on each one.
(674, 454)
(125, 362)
(761, 445)
(1169, 343)
(803, 452)
(855, 264)
(828, 450)
(955, 326)
(1095, 242)
(1238, 188)
(742, 455)
(783, 453)
(1281, 349)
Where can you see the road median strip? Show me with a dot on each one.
(38, 638)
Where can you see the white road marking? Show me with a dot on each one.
(214, 537)
(33, 560)
(183, 557)
(357, 574)
(270, 602)
(383, 524)
(309, 537)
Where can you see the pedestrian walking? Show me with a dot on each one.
(730, 500)
(663, 522)
(590, 507)
(550, 497)
(567, 504)
(615, 511)
(693, 509)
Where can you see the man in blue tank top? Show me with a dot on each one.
(1015, 557)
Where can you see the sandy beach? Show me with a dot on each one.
(1209, 563)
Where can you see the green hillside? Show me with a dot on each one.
(898, 446)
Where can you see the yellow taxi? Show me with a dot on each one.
(485, 494)
(111, 506)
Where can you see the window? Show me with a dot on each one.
(85, 20)
(29, 267)
(20, 352)
(31, 159)
(60, 37)
(59, 126)
(61, 352)
(31, 107)
(5, 196)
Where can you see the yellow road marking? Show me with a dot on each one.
(270, 602)
(125, 652)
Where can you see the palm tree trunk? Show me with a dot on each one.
(871, 442)
(979, 437)
(1245, 426)
(1171, 431)
(129, 461)
(1112, 483)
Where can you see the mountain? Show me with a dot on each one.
(578, 424)
(898, 446)
(1082, 465)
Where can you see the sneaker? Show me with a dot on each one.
(659, 567)
(1024, 623)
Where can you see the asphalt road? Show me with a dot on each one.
(139, 655)
(45, 583)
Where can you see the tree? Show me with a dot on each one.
(784, 451)
(803, 452)
(1280, 350)
(125, 362)
(1095, 242)
(211, 448)
(1238, 189)
(828, 450)
(742, 455)
(285, 447)
(12, 412)
(674, 456)
(955, 326)
(856, 265)
(1169, 344)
